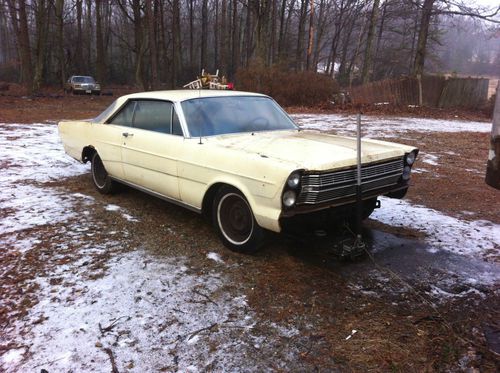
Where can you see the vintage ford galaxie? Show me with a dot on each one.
(236, 157)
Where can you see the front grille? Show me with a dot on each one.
(331, 185)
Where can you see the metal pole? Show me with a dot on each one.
(359, 201)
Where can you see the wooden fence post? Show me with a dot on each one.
(493, 165)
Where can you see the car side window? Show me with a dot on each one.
(150, 115)
(153, 116)
(125, 116)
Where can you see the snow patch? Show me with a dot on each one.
(130, 217)
(476, 238)
(125, 215)
(430, 159)
(34, 152)
(215, 257)
(375, 126)
(112, 208)
(13, 356)
(149, 311)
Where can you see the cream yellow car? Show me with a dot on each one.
(236, 157)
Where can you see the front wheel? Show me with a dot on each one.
(102, 181)
(235, 223)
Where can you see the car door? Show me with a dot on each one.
(151, 146)
(110, 139)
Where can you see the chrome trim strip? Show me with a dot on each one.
(159, 195)
(349, 185)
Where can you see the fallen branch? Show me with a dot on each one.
(195, 333)
(204, 296)
(114, 369)
(112, 325)
(49, 362)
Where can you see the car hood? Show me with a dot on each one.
(310, 150)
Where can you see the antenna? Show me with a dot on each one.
(199, 96)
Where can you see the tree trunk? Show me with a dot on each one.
(272, 46)
(281, 37)
(20, 27)
(176, 34)
(79, 47)
(60, 40)
(89, 37)
(339, 26)
(368, 60)
(152, 44)
(204, 33)
(234, 41)
(287, 43)
(191, 33)
(343, 73)
(99, 43)
(223, 39)
(41, 39)
(418, 66)
(139, 45)
(162, 41)
(311, 36)
(413, 41)
(319, 35)
(381, 28)
(216, 35)
(248, 36)
(300, 35)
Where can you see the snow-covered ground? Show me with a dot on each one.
(150, 312)
(374, 126)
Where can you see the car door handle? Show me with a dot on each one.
(126, 134)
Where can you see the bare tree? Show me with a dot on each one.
(20, 26)
(204, 33)
(352, 40)
(368, 60)
(151, 21)
(41, 16)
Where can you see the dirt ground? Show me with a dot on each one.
(310, 300)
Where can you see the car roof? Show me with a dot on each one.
(174, 96)
(187, 94)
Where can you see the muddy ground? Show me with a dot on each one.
(405, 307)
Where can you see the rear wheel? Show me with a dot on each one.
(234, 221)
(102, 181)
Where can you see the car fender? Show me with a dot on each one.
(266, 209)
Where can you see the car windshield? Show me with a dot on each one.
(83, 79)
(234, 114)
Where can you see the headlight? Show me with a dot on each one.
(289, 198)
(406, 173)
(293, 180)
(410, 158)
